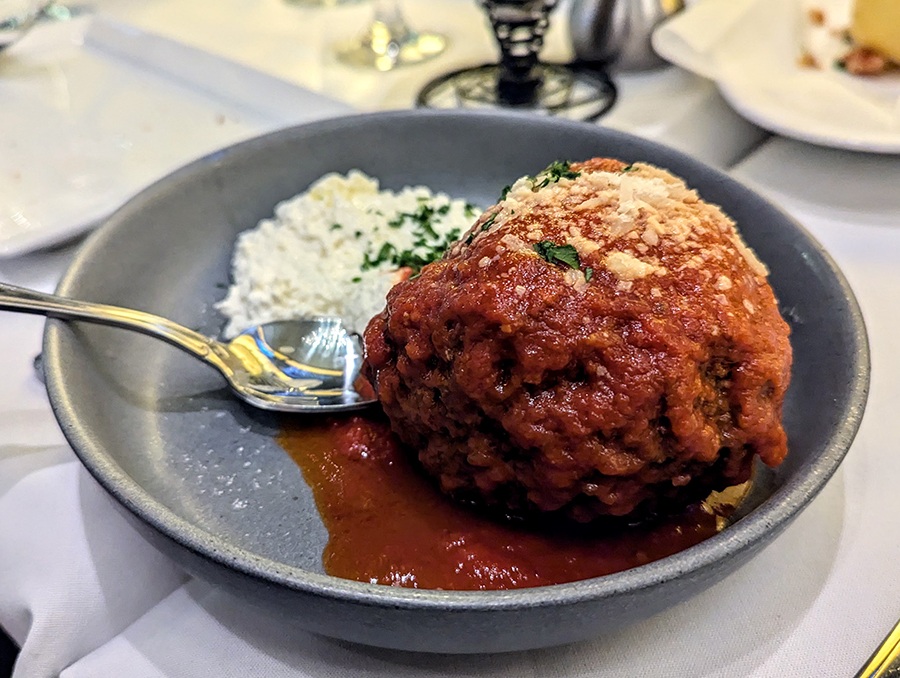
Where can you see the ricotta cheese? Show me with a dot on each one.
(337, 249)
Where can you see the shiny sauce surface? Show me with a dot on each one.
(388, 524)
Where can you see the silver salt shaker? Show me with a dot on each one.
(616, 33)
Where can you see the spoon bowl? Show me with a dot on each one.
(301, 365)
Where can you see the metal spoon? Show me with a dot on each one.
(303, 365)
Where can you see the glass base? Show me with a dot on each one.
(553, 90)
(385, 47)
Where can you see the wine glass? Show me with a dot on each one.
(389, 41)
(520, 80)
(57, 11)
(16, 19)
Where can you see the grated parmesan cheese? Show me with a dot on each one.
(628, 267)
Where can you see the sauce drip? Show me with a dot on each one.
(388, 524)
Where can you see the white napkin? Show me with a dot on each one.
(691, 38)
(64, 549)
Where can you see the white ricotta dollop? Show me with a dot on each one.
(322, 251)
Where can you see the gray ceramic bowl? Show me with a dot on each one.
(202, 476)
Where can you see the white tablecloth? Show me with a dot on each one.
(84, 595)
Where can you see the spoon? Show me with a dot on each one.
(303, 365)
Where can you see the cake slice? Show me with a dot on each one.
(876, 26)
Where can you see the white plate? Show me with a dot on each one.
(754, 61)
(92, 111)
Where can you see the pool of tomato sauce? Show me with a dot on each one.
(389, 524)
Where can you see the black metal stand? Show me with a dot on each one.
(520, 81)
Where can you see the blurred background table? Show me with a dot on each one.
(294, 43)
(813, 604)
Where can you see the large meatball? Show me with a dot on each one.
(601, 343)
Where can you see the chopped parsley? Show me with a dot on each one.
(471, 210)
(561, 169)
(504, 193)
(421, 220)
(629, 168)
(427, 244)
(558, 254)
(386, 253)
(485, 226)
(562, 255)
(336, 227)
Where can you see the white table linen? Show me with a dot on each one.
(85, 596)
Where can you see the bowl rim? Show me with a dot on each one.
(772, 515)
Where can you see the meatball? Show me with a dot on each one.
(600, 343)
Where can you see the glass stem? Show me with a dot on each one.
(389, 15)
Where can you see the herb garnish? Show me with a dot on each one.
(558, 254)
(485, 226)
(562, 255)
(629, 168)
(428, 245)
(421, 219)
(336, 227)
(489, 222)
(504, 193)
(561, 169)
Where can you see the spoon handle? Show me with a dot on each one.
(14, 298)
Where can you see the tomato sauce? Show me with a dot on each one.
(388, 524)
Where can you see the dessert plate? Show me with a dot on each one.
(753, 51)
